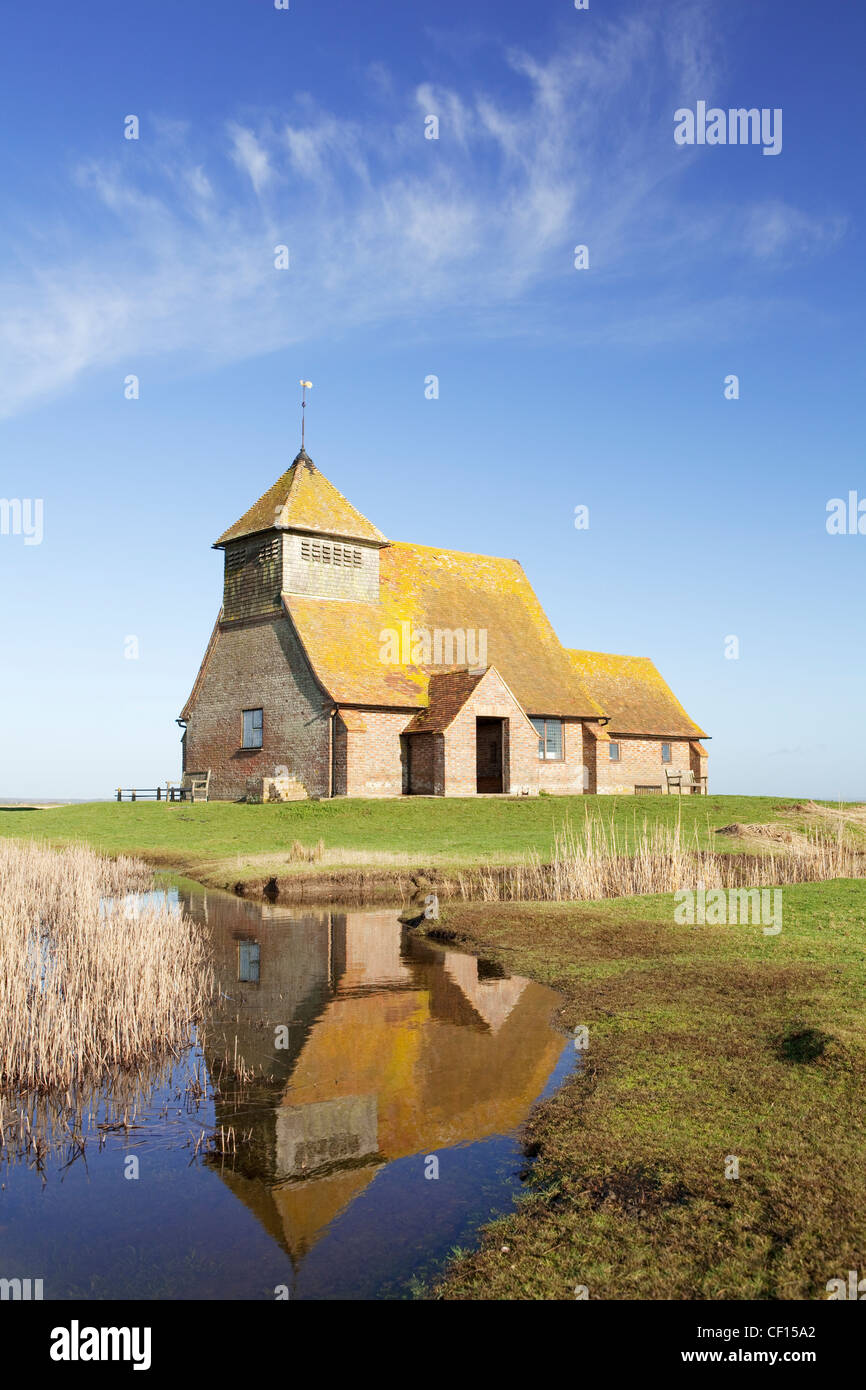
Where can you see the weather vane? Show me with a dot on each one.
(307, 385)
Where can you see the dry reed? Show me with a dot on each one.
(603, 862)
(303, 854)
(92, 978)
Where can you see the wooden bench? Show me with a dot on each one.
(194, 786)
(679, 779)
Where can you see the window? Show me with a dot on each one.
(252, 728)
(666, 752)
(249, 959)
(613, 750)
(549, 739)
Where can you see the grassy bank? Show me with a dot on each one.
(704, 1043)
(221, 843)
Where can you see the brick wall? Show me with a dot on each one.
(566, 777)
(594, 754)
(423, 763)
(490, 699)
(640, 763)
(375, 757)
(259, 665)
(341, 756)
(698, 762)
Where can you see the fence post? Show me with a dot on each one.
(119, 794)
(133, 793)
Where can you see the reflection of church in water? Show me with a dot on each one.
(394, 1048)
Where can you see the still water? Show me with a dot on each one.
(368, 1059)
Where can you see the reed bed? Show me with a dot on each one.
(92, 978)
(600, 861)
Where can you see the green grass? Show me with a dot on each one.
(704, 1042)
(222, 840)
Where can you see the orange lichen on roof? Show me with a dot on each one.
(448, 693)
(304, 500)
(633, 694)
(430, 589)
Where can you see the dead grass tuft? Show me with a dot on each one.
(598, 863)
(92, 977)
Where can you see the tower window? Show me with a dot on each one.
(666, 752)
(268, 551)
(329, 553)
(613, 750)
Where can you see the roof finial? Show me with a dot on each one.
(306, 385)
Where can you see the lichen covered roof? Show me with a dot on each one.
(447, 590)
(447, 693)
(633, 695)
(304, 499)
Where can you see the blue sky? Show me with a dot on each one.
(454, 257)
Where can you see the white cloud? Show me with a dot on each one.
(775, 231)
(249, 156)
(171, 255)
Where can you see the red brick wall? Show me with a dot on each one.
(567, 777)
(423, 763)
(594, 752)
(698, 763)
(259, 665)
(375, 757)
(341, 756)
(640, 763)
(491, 698)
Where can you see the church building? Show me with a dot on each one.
(345, 664)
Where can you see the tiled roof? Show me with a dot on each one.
(448, 694)
(633, 695)
(446, 590)
(304, 499)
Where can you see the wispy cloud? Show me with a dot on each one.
(249, 156)
(174, 247)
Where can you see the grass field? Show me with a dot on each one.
(222, 842)
(705, 1043)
